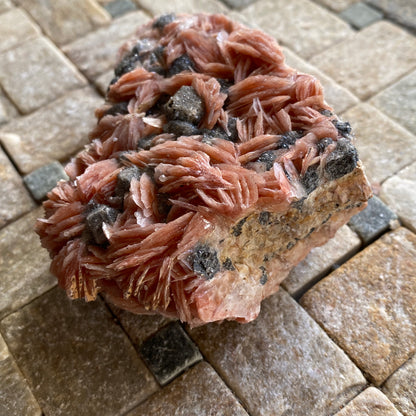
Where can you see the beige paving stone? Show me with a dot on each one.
(14, 198)
(76, 359)
(196, 393)
(282, 363)
(399, 192)
(337, 5)
(54, 132)
(320, 259)
(400, 388)
(339, 98)
(156, 8)
(15, 28)
(103, 81)
(24, 264)
(96, 52)
(5, 5)
(35, 73)
(361, 64)
(16, 399)
(380, 142)
(300, 24)
(367, 305)
(64, 20)
(371, 402)
(7, 109)
(399, 102)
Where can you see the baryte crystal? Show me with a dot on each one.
(214, 169)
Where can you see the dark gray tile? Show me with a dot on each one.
(359, 15)
(401, 11)
(117, 8)
(238, 4)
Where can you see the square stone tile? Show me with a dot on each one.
(24, 264)
(238, 4)
(380, 142)
(282, 363)
(117, 8)
(198, 392)
(338, 5)
(402, 11)
(156, 8)
(360, 15)
(399, 193)
(103, 81)
(76, 359)
(54, 132)
(16, 399)
(399, 101)
(5, 5)
(320, 260)
(35, 73)
(400, 388)
(15, 28)
(96, 52)
(336, 96)
(64, 20)
(7, 109)
(303, 26)
(14, 198)
(373, 220)
(371, 402)
(361, 64)
(367, 305)
(169, 352)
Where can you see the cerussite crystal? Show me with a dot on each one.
(214, 168)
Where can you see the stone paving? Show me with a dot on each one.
(339, 338)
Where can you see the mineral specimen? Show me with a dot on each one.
(213, 169)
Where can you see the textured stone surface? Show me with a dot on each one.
(319, 261)
(401, 388)
(97, 52)
(380, 283)
(16, 27)
(399, 192)
(64, 21)
(169, 352)
(94, 366)
(103, 81)
(371, 402)
(262, 361)
(24, 264)
(399, 101)
(5, 5)
(14, 199)
(44, 179)
(117, 8)
(156, 8)
(7, 109)
(338, 5)
(53, 132)
(402, 11)
(360, 62)
(198, 392)
(16, 398)
(300, 24)
(238, 4)
(373, 221)
(336, 96)
(369, 126)
(39, 69)
(360, 15)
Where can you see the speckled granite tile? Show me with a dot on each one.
(5, 5)
(367, 305)
(402, 11)
(156, 8)
(117, 8)
(338, 5)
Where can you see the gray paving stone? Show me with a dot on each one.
(399, 192)
(16, 27)
(367, 305)
(156, 8)
(238, 4)
(303, 26)
(336, 96)
(24, 264)
(117, 8)
(76, 359)
(282, 363)
(373, 220)
(5, 5)
(54, 132)
(63, 20)
(402, 11)
(338, 5)
(400, 388)
(371, 402)
(16, 398)
(96, 52)
(35, 73)
(320, 260)
(361, 64)
(198, 392)
(14, 199)
(360, 15)
(44, 179)
(399, 101)
(371, 128)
